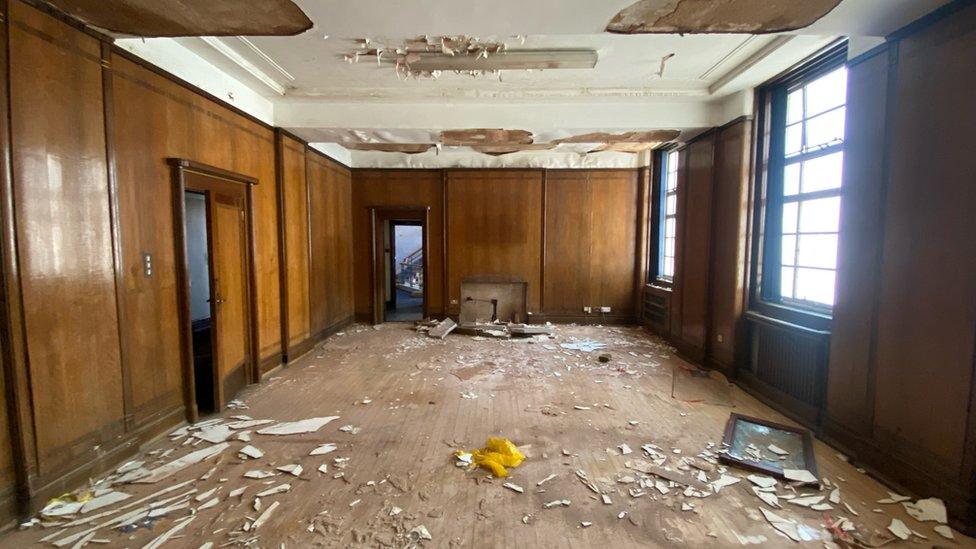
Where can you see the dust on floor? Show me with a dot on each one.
(383, 474)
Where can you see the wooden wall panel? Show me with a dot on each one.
(294, 196)
(158, 119)
(330, 203)
(849, 385)
(396, 188)
(729, 242)
(65, 237)
(695, 228)
(494, 226)
(591, 231)
(927, 302)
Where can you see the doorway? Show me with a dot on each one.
(399, 266)
(405, 267)
(215, 271)
(201, 316)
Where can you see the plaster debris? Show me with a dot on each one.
(944, 531)
(250, 452)
(327, 448)
(923, 510)
(259, 522)
(514, 487)
(293, 469)
(298, 427)
(420, 533)
(258, 474)
(545, 480)
(198, 456)
(800, 475)
(899, 529)
(280, 489)
(557, 503)
(893, 498)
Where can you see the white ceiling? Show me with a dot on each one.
(321, 97)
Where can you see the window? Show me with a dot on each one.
(804, 163)
(669, 215)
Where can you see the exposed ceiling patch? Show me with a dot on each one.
(171, 18)
(497, 150)
(430, 56)
(486, 136)
(653, 136)
(408, 148)
(719, 16)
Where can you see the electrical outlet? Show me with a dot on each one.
(454, 302)
(147, 264)
(587, 310)
(720, 338)
(604, 309)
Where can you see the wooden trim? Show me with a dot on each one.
(13, 336)
(282, 243)
(182, 295)
(542, 244)
(642, 240)
(274, 360)
(445, 250)
(211, 171)
(251, 276)
(114, 216)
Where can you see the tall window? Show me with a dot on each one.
(669, 215)
(803, 191)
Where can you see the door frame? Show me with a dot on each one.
(227, 182)
(377, 215)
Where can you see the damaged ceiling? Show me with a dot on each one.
(155, 18)
(719, 16)
(385, 81)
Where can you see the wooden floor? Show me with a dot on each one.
(401, 455)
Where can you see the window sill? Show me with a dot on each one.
(802, 318)
(660, 286)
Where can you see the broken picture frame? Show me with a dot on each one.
(767, 447)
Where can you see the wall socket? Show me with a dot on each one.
(604, 309)
(587, 310)
(720, 338)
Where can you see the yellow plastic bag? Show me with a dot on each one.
(497, 454)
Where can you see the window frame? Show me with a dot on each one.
(659, 216)
(766, 268)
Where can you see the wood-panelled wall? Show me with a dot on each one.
(314, 208)
(591, 249)
(707, 295)
(91, 344)
(579, 227)
(902, 392)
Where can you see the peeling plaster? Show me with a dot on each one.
(157, 18)
(486, 136)
(719, 16)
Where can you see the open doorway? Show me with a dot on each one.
(398, 272)
(405, 293)
(215, 272)
(198, 279)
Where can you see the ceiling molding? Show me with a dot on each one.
(267, 58)
(776, 43)
(742, 45)
(238, 59)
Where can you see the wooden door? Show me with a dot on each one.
(228, 253)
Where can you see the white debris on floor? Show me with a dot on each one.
(247, 485)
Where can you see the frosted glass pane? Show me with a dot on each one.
(818, 250)
(671, 204)
(815, 285)
(793, 136)
(823, 173)
(668, 267)
(820, 216)
(789, 217)
(791, 179)
(825, 129)
(669, 247)
(786, 282)
(827, 92)
(794, 106)
(789, 250)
